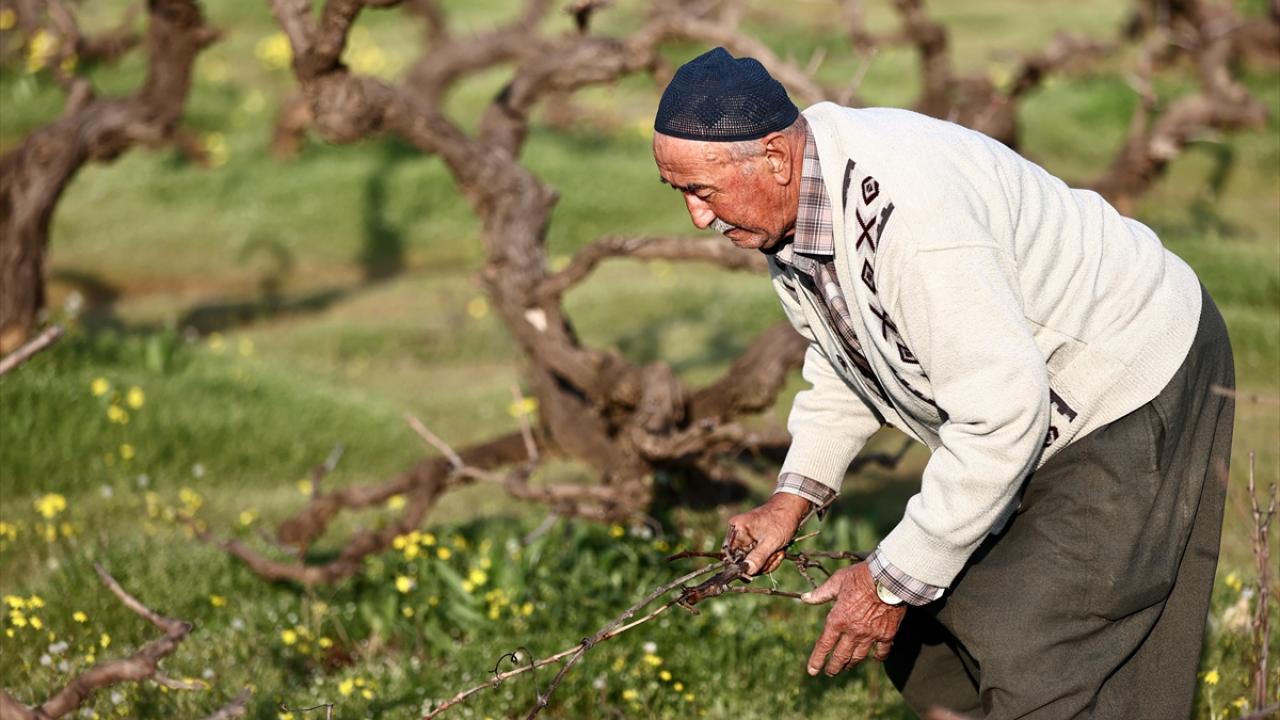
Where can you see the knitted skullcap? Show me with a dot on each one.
(720, 98)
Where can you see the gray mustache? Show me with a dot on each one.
(721, 226)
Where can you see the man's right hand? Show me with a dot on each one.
(763, 532)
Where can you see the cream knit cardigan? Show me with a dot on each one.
(1003, 313)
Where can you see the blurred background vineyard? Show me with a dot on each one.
(232, 323)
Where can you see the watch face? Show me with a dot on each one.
(886, 595)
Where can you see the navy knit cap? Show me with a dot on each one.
(720, 98)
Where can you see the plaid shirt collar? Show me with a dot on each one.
(814, 234)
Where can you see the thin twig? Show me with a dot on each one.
(611, 630)
(1262, 556)
(238, 706)
(525, 430)
(49, 336)
(1256, 398)
(435, 441)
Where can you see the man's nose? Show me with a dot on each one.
(699, 212)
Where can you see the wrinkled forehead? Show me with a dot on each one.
(682, 161)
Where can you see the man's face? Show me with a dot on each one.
(756, 195)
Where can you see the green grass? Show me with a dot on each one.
(270, 310)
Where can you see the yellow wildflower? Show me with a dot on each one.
(325, 643)
(652, 659)
(218, 600)
(135, 397)
(79, 617)
(1241, 703)
(468, 586)
(443, 553)
(526, 609)
(99, 387)
(367, 694)
(478, 307)
(1233, 581)
(247, 517)
(478, 577)
(40, 49)
(485, 563)
(395, 502)
(17, 619)
(36, 622)
(117, 414)
(665, 676)
(400, 542)
(288, 637)
(522, 407)
(688, 697)
(630, 694)
(616, 530)
(1212, 677)
(428, 539)
(50, 505)
(345, 687)
(284, 716)
(678, 686)
(274, 51)
(305, 487)
(104, 641)
(15, 602)
(126, 451)
(404, 584)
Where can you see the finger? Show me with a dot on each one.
(774, 561)
(842, 654)
(883, 647)
(729, 534)
(826, 592)
(759, 557)
(860, 652)
(825, 643)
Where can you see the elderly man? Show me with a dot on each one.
(1054, 357)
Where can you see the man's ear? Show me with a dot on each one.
(780, 156)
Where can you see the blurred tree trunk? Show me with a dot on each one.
(34, 174)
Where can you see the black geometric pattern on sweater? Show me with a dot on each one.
(907, 356)
(849, 165)
(1056, 400)
(866, 228)
(884, 220)
(913, 391)
(868, 275)
(885, 323)
(870, 190)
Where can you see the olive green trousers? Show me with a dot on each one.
(1092, 601)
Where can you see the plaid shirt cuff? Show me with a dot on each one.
(913, 591)
(815, 492)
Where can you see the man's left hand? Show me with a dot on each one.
(857, 621)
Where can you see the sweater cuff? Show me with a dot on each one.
(824, 460)
(923, 556)
(911, 590)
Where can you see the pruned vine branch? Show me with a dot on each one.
(143, 664)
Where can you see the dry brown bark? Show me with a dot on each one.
(34, 174)
(1204, 33)
(623, 420)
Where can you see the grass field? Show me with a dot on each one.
(246, 318)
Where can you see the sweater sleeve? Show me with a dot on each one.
(964, 323)
(829, 424)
